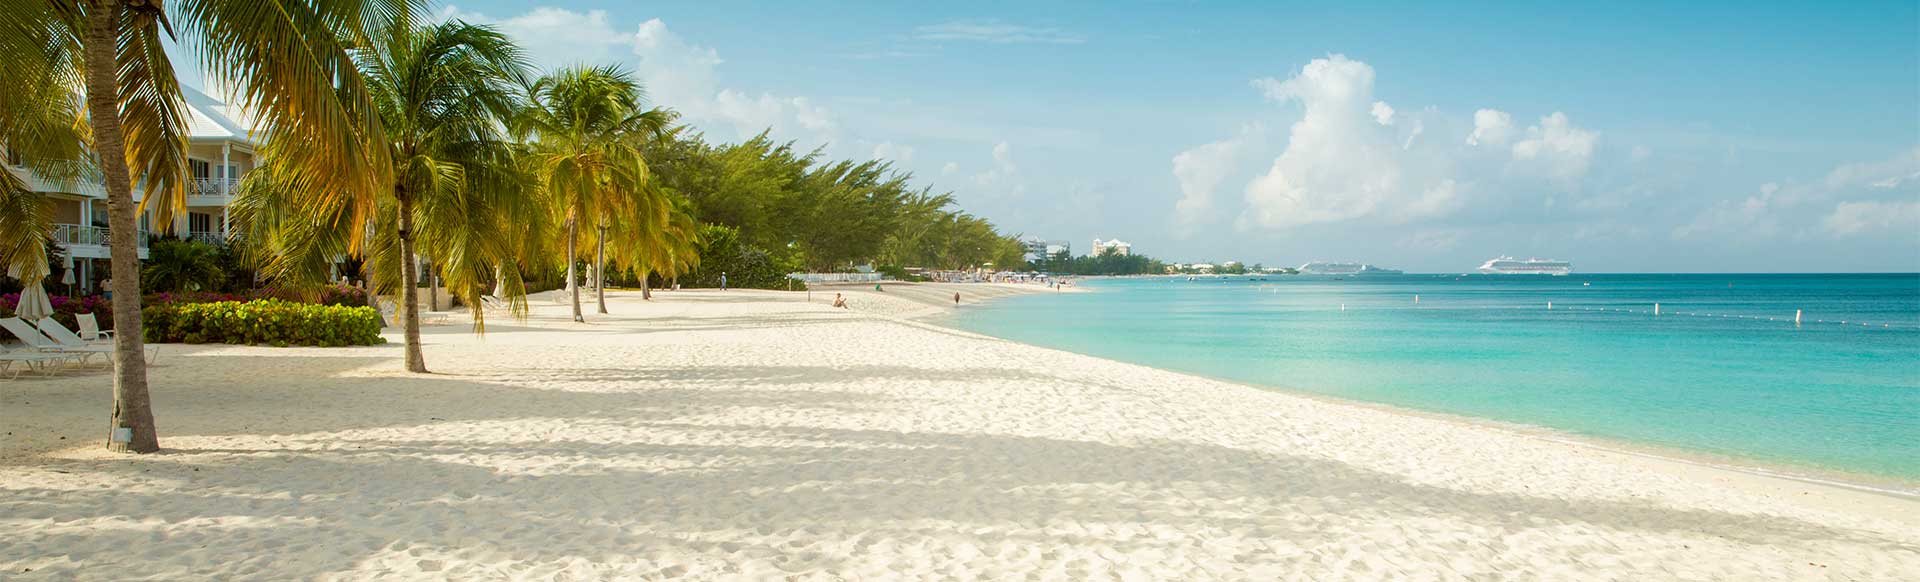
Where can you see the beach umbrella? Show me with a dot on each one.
(34, 303)
(66, 278)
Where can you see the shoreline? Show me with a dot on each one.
(751, 434)
(1897, 487)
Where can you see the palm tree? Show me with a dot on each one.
(182, 265)
(588, 130)
(40, 127)
(440, 94)
(286, 60)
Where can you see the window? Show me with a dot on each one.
(200, 168)
(199, 222)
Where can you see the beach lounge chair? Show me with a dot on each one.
(41, 362)
(69, 342)
(38, 341)
(90, 329)
(390, 312)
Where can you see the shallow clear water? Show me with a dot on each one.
(1732, 383)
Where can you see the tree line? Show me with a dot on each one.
(389, 139)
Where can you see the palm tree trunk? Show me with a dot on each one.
(646, 284)
(433, 288)
(600, 270)
(572, 283)
(132, 406)
(410, 288)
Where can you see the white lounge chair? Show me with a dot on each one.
(31, 361)
(90, 329)
(390, 312)
(34, 339)
(70, 342)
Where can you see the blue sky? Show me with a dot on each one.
(1622, 136)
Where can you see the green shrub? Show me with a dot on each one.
(266, 321)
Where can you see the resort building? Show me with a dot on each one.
(219, 151)
(1039, 249)
(1120, 247)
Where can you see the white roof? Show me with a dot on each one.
(209, 118)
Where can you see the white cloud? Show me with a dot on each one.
(1491, 127)
(994, 31)
(1752, 218)
(950, 169)
(1858, 218)
(1340, 162)
(1556, 142)
(1201, 169)
(675, 72)
(1383, 113)
(1640, 153)
(892, 151)
(1004, 176)
(1866, 198)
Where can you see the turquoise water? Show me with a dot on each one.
(1732, 384)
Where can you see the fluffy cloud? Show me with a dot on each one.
(1865, 198)
(683, 74)
(1341, 161)
(1747, 219)
(675, 72)
(1201, 170)
(950, 169)
(1858, 218)
(1004, 176)
(1556, 142)
(1352, 157)
(1491, 127)
(1383, 113)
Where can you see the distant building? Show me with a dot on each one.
(1038, 249)
(1119, 247)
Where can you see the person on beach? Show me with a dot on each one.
(956, 298)
(723, 280)
(839, 301)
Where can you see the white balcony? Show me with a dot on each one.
(90, 242)
(211, 191)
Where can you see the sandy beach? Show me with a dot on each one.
(759, 435)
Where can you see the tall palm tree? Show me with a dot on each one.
(588, 127)
(42, 128)
(286, 60)
(441, 94)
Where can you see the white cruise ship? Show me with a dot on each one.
(1326, 268)
(1513, 266)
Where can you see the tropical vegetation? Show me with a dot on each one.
(266, 321)
(399, 152)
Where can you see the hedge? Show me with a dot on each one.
(266, 321)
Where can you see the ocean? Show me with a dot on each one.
(1722, 371)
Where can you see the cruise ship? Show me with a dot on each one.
(1326, 268)
(1513, 266)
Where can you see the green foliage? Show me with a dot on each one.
(1109, 262)
(182, 265)
(747, 267)
(266, 321)
(831, 214)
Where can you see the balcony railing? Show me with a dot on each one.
(75, 234)
(213, 186)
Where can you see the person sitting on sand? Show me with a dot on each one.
(839, 301)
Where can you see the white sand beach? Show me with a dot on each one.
(754, 435)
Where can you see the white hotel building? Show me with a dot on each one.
(219, 151)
